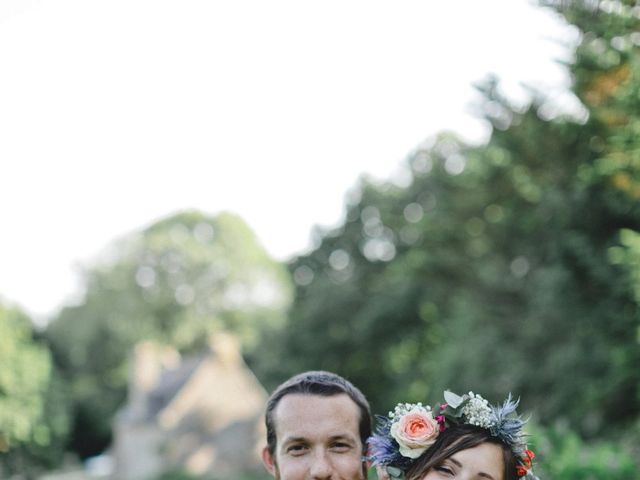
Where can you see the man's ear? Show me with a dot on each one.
(269, 461)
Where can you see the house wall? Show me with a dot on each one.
(222, 405)
(213, 425)
(138, 451)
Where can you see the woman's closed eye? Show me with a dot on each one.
(444, 469)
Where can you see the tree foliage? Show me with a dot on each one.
(177, 281)
(33, 407)
(510, 266)
(563, 454)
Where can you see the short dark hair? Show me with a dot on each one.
(453, 440)
(321, 383)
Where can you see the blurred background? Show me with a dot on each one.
(200, 199)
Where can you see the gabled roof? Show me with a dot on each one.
(170, 383)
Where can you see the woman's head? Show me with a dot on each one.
(419, 440)
(465, 448)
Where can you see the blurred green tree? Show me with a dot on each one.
(176, 282)
(501, 267)
(561, 453)
(34, 419)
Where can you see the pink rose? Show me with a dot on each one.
(415, 432)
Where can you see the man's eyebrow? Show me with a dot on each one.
(342, 436)
(294, 440)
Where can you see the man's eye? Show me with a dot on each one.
(296, 449)
(341, 446)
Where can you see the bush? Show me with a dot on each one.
(562, 454)
(182, 475)
(177, 475)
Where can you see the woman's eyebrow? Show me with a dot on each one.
(453, 460)
(480, 474)
(485, 475)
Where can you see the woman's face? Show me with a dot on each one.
(482, 462)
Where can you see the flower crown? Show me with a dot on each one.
(411, 429)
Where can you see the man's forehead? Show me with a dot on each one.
(315, 401)
(299, 413)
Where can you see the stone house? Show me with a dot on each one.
(202, 414)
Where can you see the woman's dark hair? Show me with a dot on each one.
(321, 383)
(455, 439)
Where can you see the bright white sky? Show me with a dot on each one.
(114, 113)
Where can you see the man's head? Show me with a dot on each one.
(317, 426)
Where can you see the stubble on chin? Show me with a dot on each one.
(276, 471)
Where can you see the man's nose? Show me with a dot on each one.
(321, 467)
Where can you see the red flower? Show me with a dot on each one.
(521, 471)
(526, 460)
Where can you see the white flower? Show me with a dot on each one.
(477, 411)
(404, 408)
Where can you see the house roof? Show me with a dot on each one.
(170, 383)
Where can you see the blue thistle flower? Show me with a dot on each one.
(507, 425)
(383, 449)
